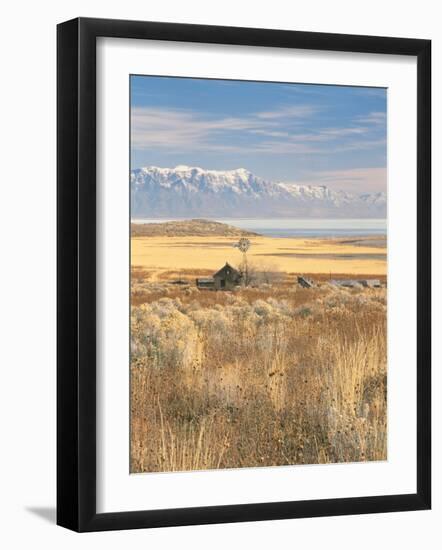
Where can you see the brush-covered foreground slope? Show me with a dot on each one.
(268, 376)
(186, 191)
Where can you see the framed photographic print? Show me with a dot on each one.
(243, 274)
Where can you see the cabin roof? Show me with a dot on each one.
(228, 271)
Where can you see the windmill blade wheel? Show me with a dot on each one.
(244, 245)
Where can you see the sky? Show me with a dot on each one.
(296, 133)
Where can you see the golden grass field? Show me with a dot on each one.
(267, 375)
(291, 255)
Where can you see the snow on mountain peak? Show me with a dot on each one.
(185, 168)
(193, 191)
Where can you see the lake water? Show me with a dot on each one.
(289, 227)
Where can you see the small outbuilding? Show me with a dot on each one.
(305, 283)
(357, 283)
(227, 278)
(207, 283)
(371, 283)
(346, 283)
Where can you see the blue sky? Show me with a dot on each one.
(313, 134)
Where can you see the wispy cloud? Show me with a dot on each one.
(190, 130)
(289, 111)
(375, 117)
(266, 132)
(340, 132)
(158, 127)
(352, 180)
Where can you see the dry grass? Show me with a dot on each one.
(258, 377)
(305, 255)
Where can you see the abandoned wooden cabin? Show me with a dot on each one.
(227, 278)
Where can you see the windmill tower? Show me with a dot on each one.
(243, 246)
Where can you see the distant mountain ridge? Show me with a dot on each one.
(186, 191)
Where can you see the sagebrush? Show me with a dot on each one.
(258, 377)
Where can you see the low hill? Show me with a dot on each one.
(188, 228)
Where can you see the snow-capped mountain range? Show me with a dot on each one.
(186, 191)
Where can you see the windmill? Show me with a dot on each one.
(243, 246)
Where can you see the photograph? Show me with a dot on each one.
(258, 269)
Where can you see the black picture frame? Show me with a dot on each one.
(76, 274)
